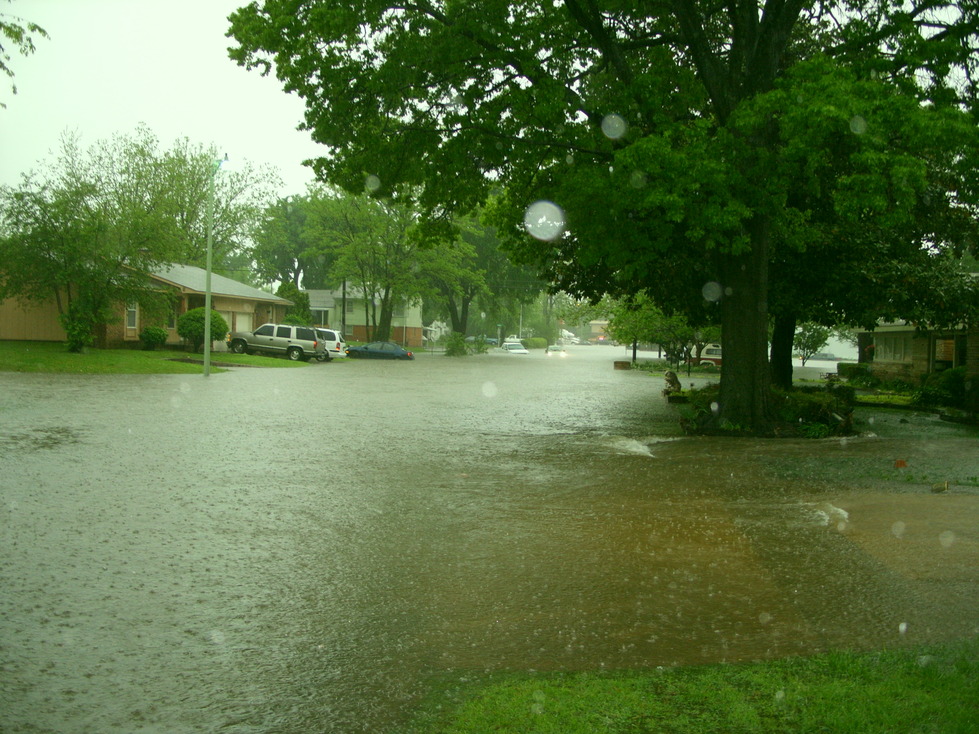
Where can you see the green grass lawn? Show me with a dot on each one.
(932, 689)
(52, 357)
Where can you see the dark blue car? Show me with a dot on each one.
(380, 350)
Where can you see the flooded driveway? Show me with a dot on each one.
(301, 550)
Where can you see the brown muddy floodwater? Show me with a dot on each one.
(303, 550)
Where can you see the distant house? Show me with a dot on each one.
(899, 351)
(345, 309)
(242, 306)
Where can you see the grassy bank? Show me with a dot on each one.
(933, 689)
(51, 357)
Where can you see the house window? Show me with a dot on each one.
(349, 305)
(896, 348)
(944, 357)
(131, 312)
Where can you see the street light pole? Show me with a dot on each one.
(215, 166)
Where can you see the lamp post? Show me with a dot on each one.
(215, 167)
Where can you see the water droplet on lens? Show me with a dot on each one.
(712, 291)
(858, 125)
(946, 538)
(544, 220)
(372, 183)
(490, 390)
(897, 529)
(614, 126)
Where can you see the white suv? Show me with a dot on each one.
(335, 347)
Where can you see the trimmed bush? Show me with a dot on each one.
(190, 326)
(534, 342)
(942, 389)
(153, 337)
(859, 373)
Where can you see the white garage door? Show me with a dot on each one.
(243, 321)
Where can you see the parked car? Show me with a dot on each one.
(556, 350)
(334, 345)
(296, 342)
(711, 354)
(380, 350)
(491, 340)
(514, 348)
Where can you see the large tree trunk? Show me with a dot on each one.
(745, 395)
(783, 334)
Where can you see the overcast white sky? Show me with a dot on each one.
(112, 64)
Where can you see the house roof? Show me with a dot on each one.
(194, 279)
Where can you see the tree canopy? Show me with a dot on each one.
(668, 140)
(85, 229)
(20, 33)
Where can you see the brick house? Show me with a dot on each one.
(242, 306)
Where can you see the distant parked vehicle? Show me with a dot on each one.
(380, 350)
(556, 350)
(710, 354)
(334, 347)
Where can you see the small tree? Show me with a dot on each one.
(299, 313)
(190, 326)
(809, 339)
(455, 346)
(79, 321)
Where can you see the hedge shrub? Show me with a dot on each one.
(153, 337)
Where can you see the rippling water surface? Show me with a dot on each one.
(301, 550)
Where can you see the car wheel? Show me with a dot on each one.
(238, 346)
(294, 354)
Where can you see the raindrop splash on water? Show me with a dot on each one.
(544, 220)
(614, 126)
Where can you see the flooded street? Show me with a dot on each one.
(301, 550)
